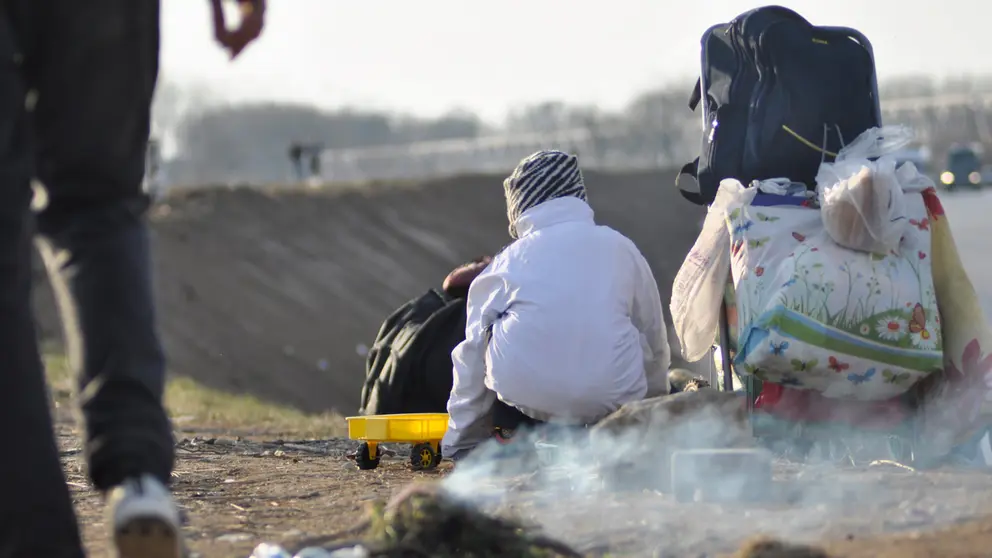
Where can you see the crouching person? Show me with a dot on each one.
(565, 325)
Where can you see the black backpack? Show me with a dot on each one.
(780, 96)
(409, 366)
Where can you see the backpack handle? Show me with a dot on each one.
(690, 169)
(780, 11)
(696, 95)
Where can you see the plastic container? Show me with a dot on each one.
(268, 550)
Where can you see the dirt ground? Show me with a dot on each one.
(239, 491)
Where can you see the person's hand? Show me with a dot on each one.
(250, 28)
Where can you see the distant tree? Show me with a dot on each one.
(454, 124)
(907, 86)
(249, 142)
(543, 117)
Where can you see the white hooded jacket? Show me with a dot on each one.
(576, 327)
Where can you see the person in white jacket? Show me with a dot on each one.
(565, 325)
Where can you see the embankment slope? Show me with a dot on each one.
(270, 291)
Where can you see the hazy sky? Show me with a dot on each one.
(489, 55)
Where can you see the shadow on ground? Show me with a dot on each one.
(270, 291)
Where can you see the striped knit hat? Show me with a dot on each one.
(543, 176)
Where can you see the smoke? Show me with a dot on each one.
(612, 486)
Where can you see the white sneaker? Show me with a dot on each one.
(144, 519)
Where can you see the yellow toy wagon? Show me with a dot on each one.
(423, 430)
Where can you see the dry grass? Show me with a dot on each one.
(192, 404)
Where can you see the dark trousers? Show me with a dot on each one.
(507, 418)
(93, 64)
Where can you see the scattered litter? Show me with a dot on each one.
(307, 449)
(249, 448)
(233, 537)
(266, 550)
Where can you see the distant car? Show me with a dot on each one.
(964, 168)
(986, 174)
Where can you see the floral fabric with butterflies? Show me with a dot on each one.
(956, 401)
(813, 315)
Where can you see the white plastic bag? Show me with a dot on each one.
(700, 283)
(876, 142)
(866, 211)
(862, 201)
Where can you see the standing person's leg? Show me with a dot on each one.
(36, 516)
(95, 69)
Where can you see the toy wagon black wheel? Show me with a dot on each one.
(438, 457)
(423, 457)
(364, 460)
